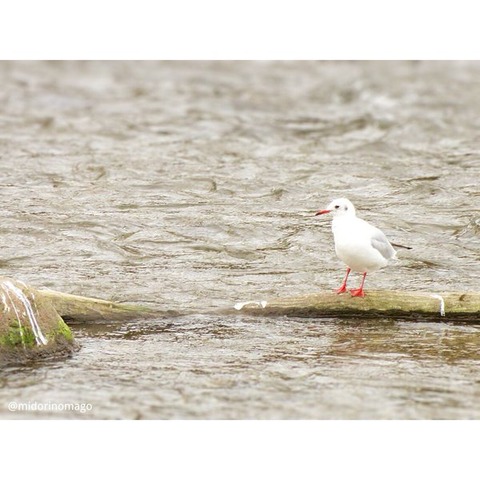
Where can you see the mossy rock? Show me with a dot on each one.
(30, 327)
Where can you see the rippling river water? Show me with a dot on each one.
(192, 185)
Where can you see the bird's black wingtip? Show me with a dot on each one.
(401, 246)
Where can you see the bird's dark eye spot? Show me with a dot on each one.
(337, 206)
(345, 207)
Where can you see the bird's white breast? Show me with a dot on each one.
(353, 244)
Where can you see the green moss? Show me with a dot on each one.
(63, 330)
(18, 335)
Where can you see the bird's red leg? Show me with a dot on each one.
(358, 292)
(343, 286)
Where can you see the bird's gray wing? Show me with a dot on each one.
(380, 242)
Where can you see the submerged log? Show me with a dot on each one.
(381, 303)
(76, 309)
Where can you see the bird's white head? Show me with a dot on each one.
(339, 207)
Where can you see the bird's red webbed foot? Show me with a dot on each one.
(343, 286)
(357, 292)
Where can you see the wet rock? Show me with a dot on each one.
(30, 327)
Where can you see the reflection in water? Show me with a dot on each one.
(192, 186)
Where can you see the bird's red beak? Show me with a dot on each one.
(321, 212)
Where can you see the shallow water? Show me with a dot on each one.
(192, 185)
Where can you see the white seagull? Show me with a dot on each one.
(361, 246)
